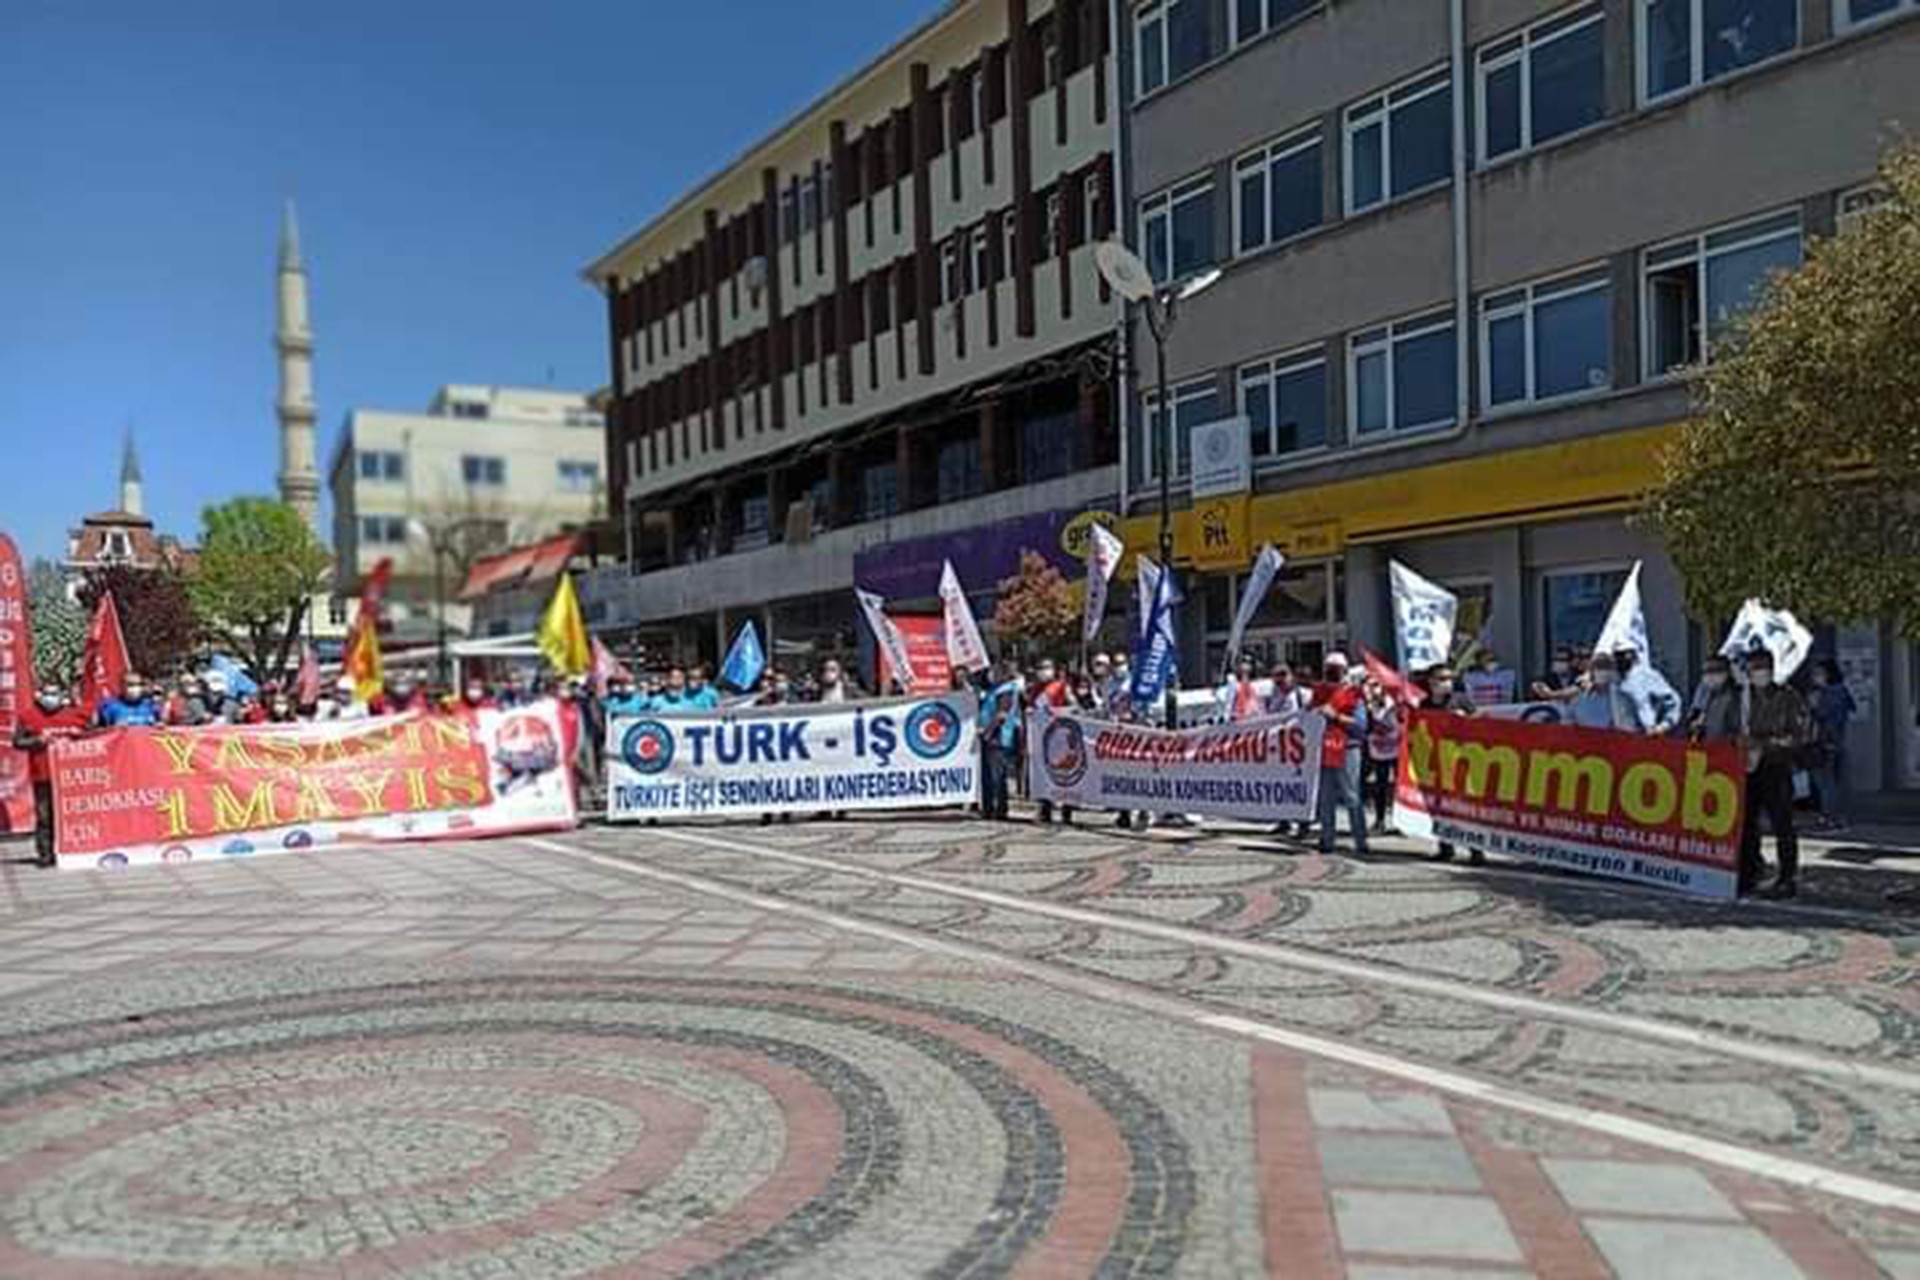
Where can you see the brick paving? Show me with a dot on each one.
(506, 1059)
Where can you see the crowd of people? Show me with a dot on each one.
(1794, 740)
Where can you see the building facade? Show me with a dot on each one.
(124, 535)
(482, 469)
(880, 330)
(1470, 249)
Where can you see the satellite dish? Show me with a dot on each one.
(1121, 267)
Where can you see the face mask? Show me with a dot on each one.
(1760, 679)
(1441, 688)
(475, 693)
(1562, 668)
(1714, 680)
(1603, 678)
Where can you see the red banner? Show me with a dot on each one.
(1659, 811)
(16, 687)
(926, 637)
(168, 795)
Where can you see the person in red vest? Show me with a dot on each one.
(1045, 688)
(400, 696)
(473, 699)
(1338, 699)
(1239, 698)
(51, 715)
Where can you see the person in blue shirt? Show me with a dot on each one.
(136, 707)
(673, 692)
(701, 695)
(999, 738)
(624, 700)
(1833, 708)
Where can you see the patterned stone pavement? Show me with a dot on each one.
(633, 1054)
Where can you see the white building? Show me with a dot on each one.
(482, 469)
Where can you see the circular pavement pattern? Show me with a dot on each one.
(557, 1127)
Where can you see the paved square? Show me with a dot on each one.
(1618, 1186)
(1456, 1227)
(1641, 1250)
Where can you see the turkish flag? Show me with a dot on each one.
(104, 664)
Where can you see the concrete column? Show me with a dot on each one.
(1368, 604)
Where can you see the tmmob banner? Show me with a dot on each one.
(902, 753)
(1659, 811)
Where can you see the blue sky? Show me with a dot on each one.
(455, 161)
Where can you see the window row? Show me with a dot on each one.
(386, 531)
(1537, 343)
(377, 464)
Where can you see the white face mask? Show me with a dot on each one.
(1441, 688)
(1760, 679)
(1603, 678)
(1714, 680)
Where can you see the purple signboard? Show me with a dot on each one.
(983, 556)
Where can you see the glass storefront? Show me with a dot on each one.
(1299, 622)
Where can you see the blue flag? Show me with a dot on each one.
(746, 661)
(1156, 655)
(239, 683)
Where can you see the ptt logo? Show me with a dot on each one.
(648, 747)
(1063, 751)
(933, 730)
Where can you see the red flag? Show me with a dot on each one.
(1402, 689)
(605, 668)
(363, 661)
(306, 684)
(104, 665)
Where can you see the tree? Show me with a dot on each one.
(1038, 612)
(157, 616)
(259, 566)
(1798, 483)
(59, 627)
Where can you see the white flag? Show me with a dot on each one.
(965, 649)
(1103, 558)
(1776, 631)
(891, 642)
(1423, 615)
(1266, 566)
(1626, 624)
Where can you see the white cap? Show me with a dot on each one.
(1335, 659)
(217, 681)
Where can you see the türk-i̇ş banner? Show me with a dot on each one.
(1265, 770)
(905, 753)
(131, 796)
(1660, 811)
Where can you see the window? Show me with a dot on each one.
(378, 465)
(957, 469)
(1546, 340)
(1195, 404)
(1285, 402)
(469, 408)
(579, 477)
(478, 470)
(1576, 605)
(879, 491)
(1177, 228)
(1253, 17)
(1049, 446)
(1697, 287)
(1688, 42)
(982, 268)
(119, 546)
(1171, 39)
(1854, 13)
(1402, 377)
(953, 279)
(1093, 201)
(1050, 216)
(789, 215)
(1400, 141)
(1276, 192)
(880, 303)
(1855, 205)
(383, 530)
(1547, 81)
(752, 528)
(809, 205)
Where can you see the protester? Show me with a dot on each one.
(217, 696)
(1338, 701)
(834, 685)
(279, 708)
(135, 707)
(701, 693)
(1239, 695)
(1600, 703)
(1384, 724)
(1100, 673)
(624, 698)
(1045, 692)
(1287, 696)
(1563, 675)
(1713, 714)
(51, 715)
(399, 696)
(1120, 684)
(187, 708)
(999, 736)
(1775, 725)
(1489, 684)
(1832, 709)
(1444, 694)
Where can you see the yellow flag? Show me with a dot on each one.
(563, 632)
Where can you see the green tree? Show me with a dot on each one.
(1038, 612)
(59, 626)
(1798, 483)
(157, 616)
(259, 565)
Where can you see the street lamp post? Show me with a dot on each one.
(1129, 277)
(440, 543)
